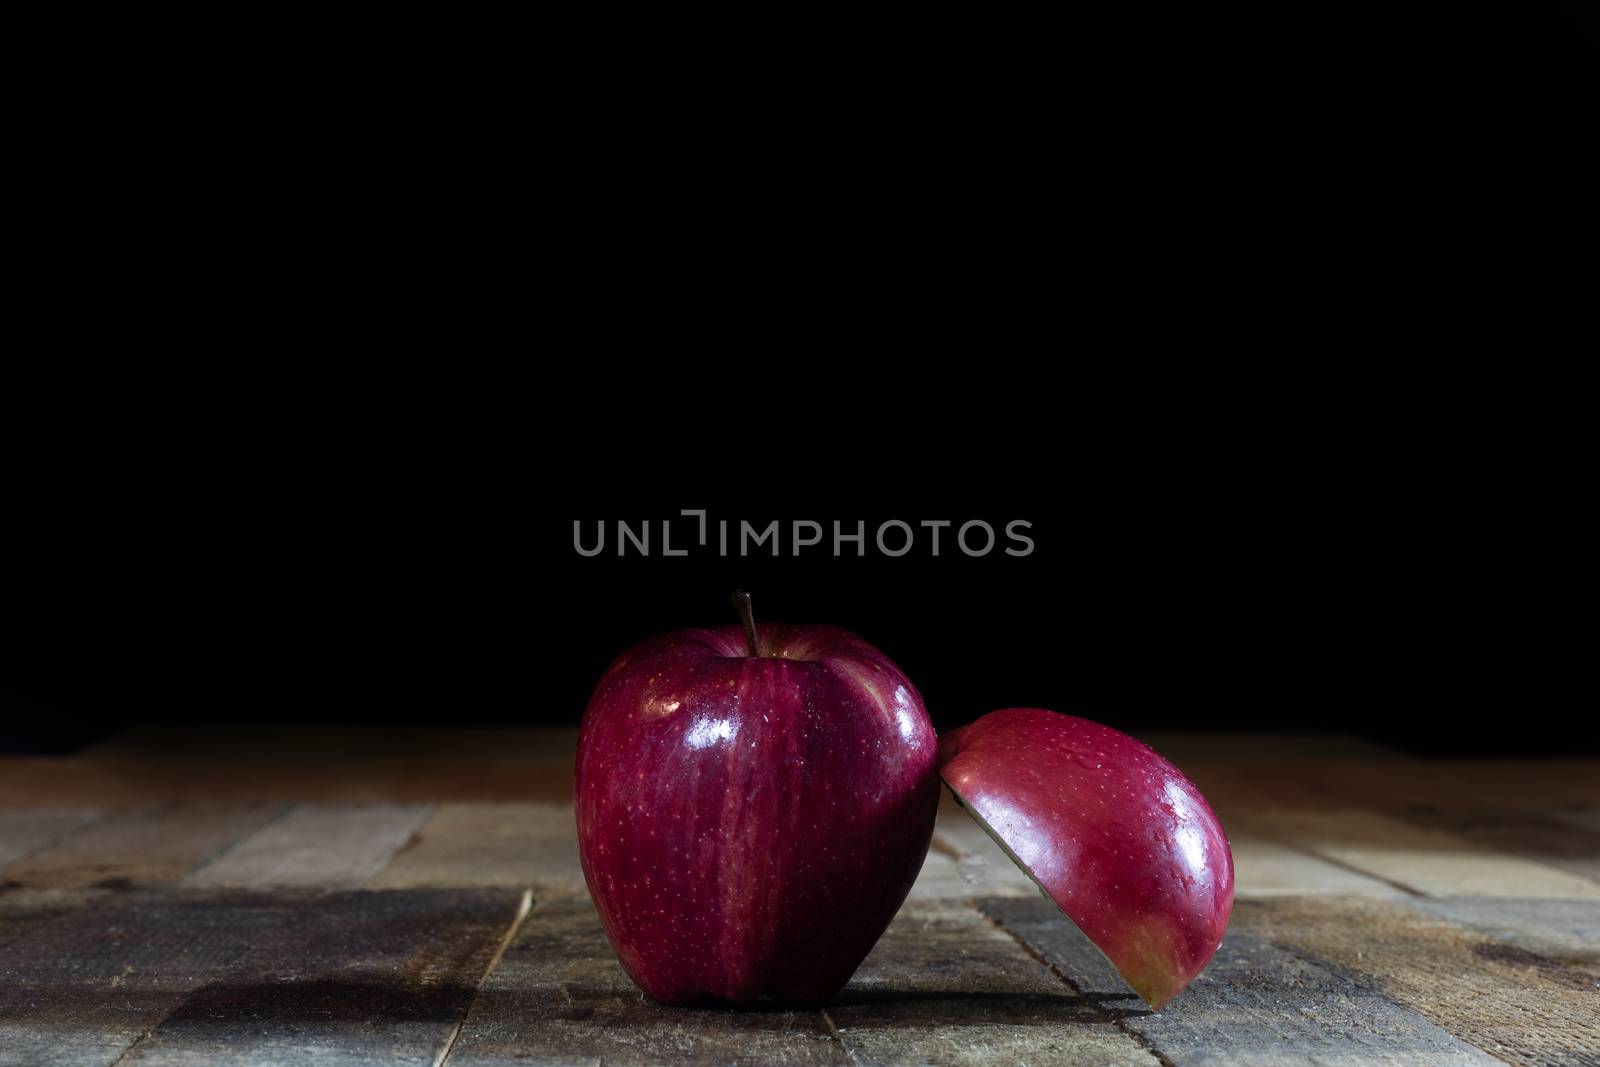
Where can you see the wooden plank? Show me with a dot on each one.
(23, 909)
(359, 978)
(1255, 1004)
(945, 985)
(1532, 835)
(1428, 862)
(558, 995)
(24, 831)
(1567, 930)
(81, 989)
(337, 847)
(1264, 867)
(138, 848)
(1503, 999)
(202, 977)
(486, 845)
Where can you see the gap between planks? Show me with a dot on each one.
(1256, 1003)
(1420, 860)
(1139, 1039)
(523, 909)
(833, 1031)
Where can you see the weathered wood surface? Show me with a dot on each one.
(478, 844)
(81, 988)
(217, 976)
(145, 846)
(358, 978)
(1255, 1004)
(324, 847)
(1265, 867)
(558, 995)
(1421, 861)
(27, 830)
(1567, 929)
(945, 985)
(1530, 835)
(208, 898)
(1519, 1005)
(23, 909)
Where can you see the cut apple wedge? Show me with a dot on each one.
(1114, 834)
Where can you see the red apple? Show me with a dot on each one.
(752, 808)
(1122, 842)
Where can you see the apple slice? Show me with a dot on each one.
(1122, 842)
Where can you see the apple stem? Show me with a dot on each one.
(741, 603)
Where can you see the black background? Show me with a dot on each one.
(1437, 606)
(1236, 310)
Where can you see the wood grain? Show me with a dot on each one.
(558, 995)
(1255, 1005)
(355, 978)
(1428, 862)
(140, 847)
(1531, 835)
(1566, 930)
(485, 845)
(335, 847)
(23, 909)
(80, 989)
(25, 831)
(1520, 1006)
(1264, 867)
(946, 986)
(188, 897)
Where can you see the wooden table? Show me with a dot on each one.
(358, 896)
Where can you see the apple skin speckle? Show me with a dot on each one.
(1113, 833)
(749, 825)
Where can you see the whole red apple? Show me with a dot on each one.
(752, 808)
(1122, 842)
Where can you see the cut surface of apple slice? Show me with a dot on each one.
(1114, 834)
